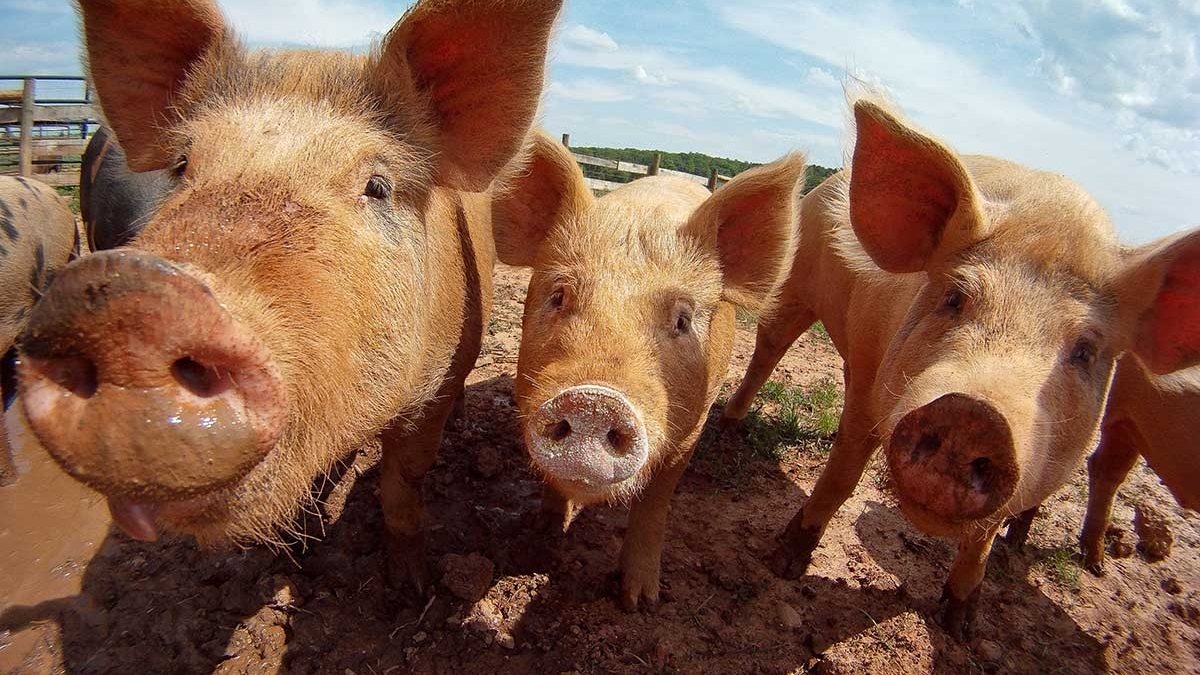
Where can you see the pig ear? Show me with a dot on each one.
(476, 68)
(912, 202)
(1159, 294)
(547, 188)
(751, 222)
(139, 53)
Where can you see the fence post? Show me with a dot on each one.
(712, 180)
(655, 163)
(26, 151)
(567, 140)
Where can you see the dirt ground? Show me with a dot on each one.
(80, 602)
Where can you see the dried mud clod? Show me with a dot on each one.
(1154, 532)
(468, 577)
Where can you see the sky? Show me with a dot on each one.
(1106, 92)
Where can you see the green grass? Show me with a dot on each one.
(746, 319)
(789, 417)
(1061, 566)
(71, 194)
(818, 329)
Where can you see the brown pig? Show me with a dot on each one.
(37, 237)
(319, 271)
(1148, 415)
(979, 307)
(628, 327)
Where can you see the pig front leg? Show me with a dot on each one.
(961, 593)
(771, 342)
(641, 551)
(847, 460)
(1107, 468)
(406, 458)
(1018, 528)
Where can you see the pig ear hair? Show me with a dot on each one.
(544, 187)
(751, 222)
(139, 52)
(477, 68)
(912, 202)
(1160, 292)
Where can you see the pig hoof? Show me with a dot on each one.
(790, 560)
(1018, 529)
(639, 594)
(958, 616)
(406, 569)
(729, 425)
(1094, 563)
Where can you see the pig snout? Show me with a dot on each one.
(590, 435)
(141, 385)
(954, 457)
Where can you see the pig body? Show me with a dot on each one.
(979, 307)
(319, 274)
(37, 237)
(115, 202)
(628, 328)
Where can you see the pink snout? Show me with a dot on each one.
(140, 384)
(955, 458)
(588, 435)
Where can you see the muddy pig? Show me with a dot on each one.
(628, 328)
(979, 307)
(37, 237)
(319, 274)
(115, 202)
(1148, 415)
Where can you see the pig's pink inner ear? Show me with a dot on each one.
(533, 195)
(139, 53)
(1167, 334)
(905, 191)
(479, 67)
(753, 221)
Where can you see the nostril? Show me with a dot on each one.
(201, 380)
(76, 374)
(926, 446)
(981, 474)
(620, 442)
(557, 432)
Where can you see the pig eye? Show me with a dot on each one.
(1084, 353)
(558, 298)
(954, 300)
(378, 187)
(683, 321)
(179, 168)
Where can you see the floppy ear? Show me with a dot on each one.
(474, 68)
(1159, 298)
(545, 189)
(751, 223)
(139, 53)
(912, 202)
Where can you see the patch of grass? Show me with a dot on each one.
(818, 329)
(790, 417)
(746, 319)
(71, 194)
(1061, 567)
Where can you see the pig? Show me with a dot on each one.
(628, 328)
(37, 237)
(979, 307)
(319, 275)
(1148, 415)
(115, 202)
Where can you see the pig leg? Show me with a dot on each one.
(770, 344)
(1107, 469)
(406, 458)
(641, 551)
(847, 460)
(1018, 528)
(961, 593)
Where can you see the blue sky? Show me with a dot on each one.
(1104, 91)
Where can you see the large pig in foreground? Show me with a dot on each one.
(320, 272)
(37, 237)
(628, 327)
(1148, 415)
(979, 306)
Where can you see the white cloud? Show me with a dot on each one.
(582, 37)
(645, 77)
(594, 91)
(316, 23)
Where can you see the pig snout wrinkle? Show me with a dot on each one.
(954, 457)
(588, 434)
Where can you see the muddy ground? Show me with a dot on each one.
(78, 598)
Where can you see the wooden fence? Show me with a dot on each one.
(713, 181)
(43, 135)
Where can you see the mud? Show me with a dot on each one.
(77, 602)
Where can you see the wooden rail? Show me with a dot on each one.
(43, 137)
(713, 180)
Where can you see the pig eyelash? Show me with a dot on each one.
(954, 300)
(1083, 354)
(683, 321)
(179, 168)
(378, 187)
(558, 300)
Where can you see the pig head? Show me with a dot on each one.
(979, 306)
(319, 271)
(629, 324)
